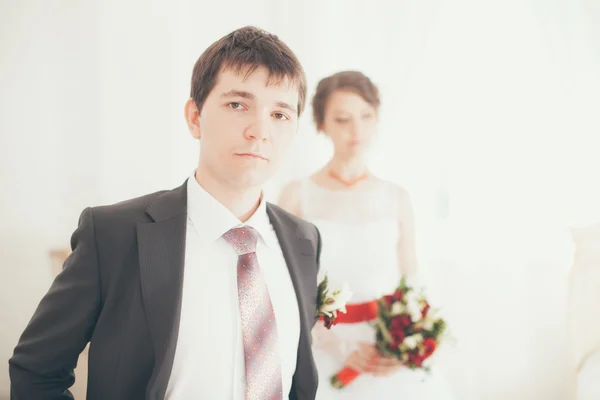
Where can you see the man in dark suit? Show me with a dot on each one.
(204, 291)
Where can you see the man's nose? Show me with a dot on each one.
(258, 129)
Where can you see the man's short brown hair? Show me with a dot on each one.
(352, 81)
(244, 50)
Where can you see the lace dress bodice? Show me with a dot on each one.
(360, 233)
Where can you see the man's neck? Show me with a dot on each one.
(242, 203)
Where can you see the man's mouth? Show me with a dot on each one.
(252, 155)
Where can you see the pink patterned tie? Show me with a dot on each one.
(259, 329)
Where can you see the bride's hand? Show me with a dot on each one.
(367, 359)
(361, 359)
(382, 366)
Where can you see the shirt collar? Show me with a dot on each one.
(211, 219)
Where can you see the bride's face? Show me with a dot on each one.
(350, 122)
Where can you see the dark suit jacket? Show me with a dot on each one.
(120, 289)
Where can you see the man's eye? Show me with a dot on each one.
(280, 116)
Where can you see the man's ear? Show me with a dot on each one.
(192, 117)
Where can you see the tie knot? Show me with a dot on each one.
(243, 240)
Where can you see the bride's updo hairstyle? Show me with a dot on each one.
(350, 81)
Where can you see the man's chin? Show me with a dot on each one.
(249, 180)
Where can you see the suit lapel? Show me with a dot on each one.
(300, 256)
(161, 246)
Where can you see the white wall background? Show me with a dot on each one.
(489, 118)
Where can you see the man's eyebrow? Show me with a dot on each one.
(239, 93)
(287, 106)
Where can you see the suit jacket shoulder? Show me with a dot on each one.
(132, 210)
(303, 227)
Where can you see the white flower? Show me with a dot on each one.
(433, 314)
(428, 323)
(412, 297)
(411, 342)
(397, 308)
(337, 301)
(414, 311)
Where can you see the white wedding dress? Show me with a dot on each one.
(360, 234)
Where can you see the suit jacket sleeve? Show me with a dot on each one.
(319, 245)
(318, 261)
(43, 361)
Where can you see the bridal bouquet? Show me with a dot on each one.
(406, 329)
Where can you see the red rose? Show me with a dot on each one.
(397, 325)
(425, 309)
(398, 295)
(405, 320)
(415, 358)
(400, 323)
(397, 339)
(429, 345)
(389, 300)
(329, 321)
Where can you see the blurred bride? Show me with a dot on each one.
(367, 227)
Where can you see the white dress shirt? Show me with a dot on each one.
(209, 358)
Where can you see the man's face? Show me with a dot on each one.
(245, 127)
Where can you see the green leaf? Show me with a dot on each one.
(403, 285)
(386, 335)
(438, 328)
(322, 292)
